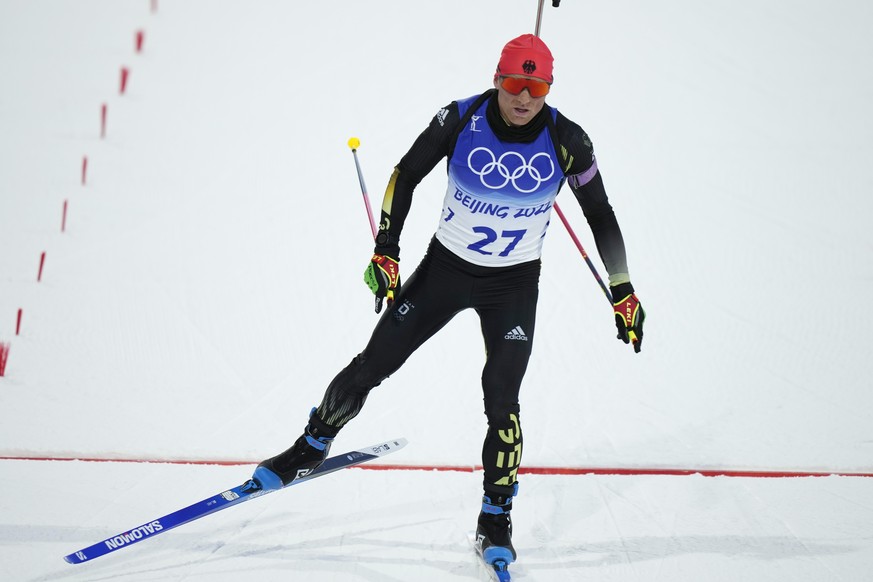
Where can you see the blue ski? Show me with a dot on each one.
(225, 499)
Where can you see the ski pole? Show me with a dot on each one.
(555, 3)
(539, 17)
(354, 144)
(563, 218)
(584, 254)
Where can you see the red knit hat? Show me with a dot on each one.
(526, 55)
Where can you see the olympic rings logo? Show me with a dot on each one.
(525, 169)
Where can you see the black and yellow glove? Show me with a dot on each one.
(383, 278)
(629, 315)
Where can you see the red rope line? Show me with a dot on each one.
(627, 471)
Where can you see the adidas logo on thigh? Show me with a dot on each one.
(516, 333)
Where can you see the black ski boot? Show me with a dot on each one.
(494, 529)
(306, 455)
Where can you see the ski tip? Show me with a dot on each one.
(399, 443)
(386, 447)
(76, 558)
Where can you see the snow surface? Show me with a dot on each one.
(208, 286)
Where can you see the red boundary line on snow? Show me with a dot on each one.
(632, 471)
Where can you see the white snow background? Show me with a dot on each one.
(209, 285)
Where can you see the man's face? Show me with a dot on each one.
(521, 108)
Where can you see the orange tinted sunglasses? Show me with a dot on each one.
(515, 85)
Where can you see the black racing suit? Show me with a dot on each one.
(443, 284)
